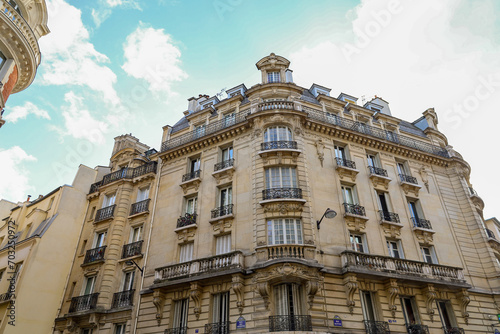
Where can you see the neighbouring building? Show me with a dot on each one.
(285, 209)
(37, 245)
(23, 22)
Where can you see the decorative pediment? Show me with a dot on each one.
(272, 62)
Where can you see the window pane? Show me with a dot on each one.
(186, 253)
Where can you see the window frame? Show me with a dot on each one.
(187, 205)
(289, 302)
(223, 248)
(180, 313)
(369, 314)
(271, 179)
(221, 314)
(120, 328)
(275, 234)
(399, 246)
(85, 283)
(345, 189)
(274, 77)
(431, 255)
(108, 200)
(186, 251)
(142, 194)
(133, 233)
(230, 153)
(449, 312)
(354, 244)
(128, 280)
(341, 151)
(276, 133)
(415, 208)
(95, 242)
(415, 311)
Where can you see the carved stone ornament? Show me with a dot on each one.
(193, 184)
(222, 226)
(347, 173)
(70, 326)
(463, 297)
(93, 320)
(263, 290)
(392, 292)
(195, 295)
(410, 188)
(355, 223)
(351, 287)
(159, 302)
(225, 175)
(283, 208)
(311, 288)
(380, 181)
(431, 295)
(392, 230)
(186, 234)
(425, 177)
(320, 150)
(238, 289)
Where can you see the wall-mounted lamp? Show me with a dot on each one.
(328, 214)
(132, 262)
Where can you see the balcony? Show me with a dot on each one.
(379, 176)
(285, 251)
(389, 216)
(191, 175)
(278, 145)
(187, 220)
(125, 173)
(417, 329)
(490, 234)
(385, 266)
(132, 249)
(346, 169)
(223, 165)
(280, 193)
(83, 303)
(492, 240)
(278, 104)
(454, 330)
(476, 200)
(376, 327)
(140, 207)
(420, 223)
(105, 213)
(179, 330)
(191, 180)
(223, 171)
(225, 210)
(355, 216)
(279, 152)
(390, 221)
(409, 184)
(217, 328)
(94, 255)
(354, 209)
(123, 299)
(284, 323)
(210, 266)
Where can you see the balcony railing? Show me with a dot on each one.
(179, 330)
(95, 254)
(123, 299)
(283, 323)
(284, 251)
(389, 216)
(354, 260)
(6, 296)
(376, 132)
(211, 264)
(277, 145)
(276, 193)
(222, 211)
(345, 163)
(421, 223)
(105, 213)
(376, 327)
(417, 329)
(472, 192)
(125, 173)
(378, 171)
(138, 207)
(354, 209)
(223, 164)
(83, 303)
(209, 129)
(408, 178)
(279, 104)
(217, 328)
(132, 249)
(188, 219)
(454, 330)
(490, 234)
(191, 175)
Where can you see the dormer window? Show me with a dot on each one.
(273, 77)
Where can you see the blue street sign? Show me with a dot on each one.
(241, 323)
(337, 321)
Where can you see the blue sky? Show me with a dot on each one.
(111, 67)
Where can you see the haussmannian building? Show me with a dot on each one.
(22, 23)
(285, 209)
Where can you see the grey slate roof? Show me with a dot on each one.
(410, 128)
(180, 125)
(307, 96)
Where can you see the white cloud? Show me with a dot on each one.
(104, 10)
(151, 55)
(15, 185)
(21, 112)
(68, 56)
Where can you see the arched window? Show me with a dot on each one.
(278, 133)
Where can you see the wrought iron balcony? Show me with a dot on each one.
(179, 330)
(454, 330)
(95, 254)
(417, 329)
(378, 171)
(132, 249)
(490, 234)
(217, 328)
(95, 187)
(276, 193)
(123, 299)
(278, 104)
(125, 173)
(191, 175)
(188, 219)
(278, 145)
(376, 327)
(345, 163)
(105, 213)
(138, 207)
(222, 211)
(389, 216)
(283, 323)
(83, 303)
(223, 164)
(145, 169)
(408, 178)
(421, 223)
(354, 209)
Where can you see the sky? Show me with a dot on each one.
(111, 67)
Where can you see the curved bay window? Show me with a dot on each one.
(289, 309)
(281, 182)
(277, 137)
(284, 231)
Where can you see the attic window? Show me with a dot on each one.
(273, 77)
(375, 109)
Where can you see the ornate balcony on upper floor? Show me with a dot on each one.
(223, 171)
(222, 211)
(423, 229)
(476, 200)
(417, 329)
(191, 180)
(492, 240)
(355, 216)
(123, 299)
(105, 213)
(285, 252)
(409, 184)
(276, 105)
(290, 323)
(346, 169)
(218, 328)
(376, 327)
(188, 219)
(379, 176)
(390, 221)
(454, 330)
(279, 152)
(132, 249)
(94, 255)
(140, 207)
(125, 173)
(83, 303)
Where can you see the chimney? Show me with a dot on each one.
(29, 196)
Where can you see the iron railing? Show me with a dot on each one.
(389, 216)
(222, 211)
(421, 223)
(132, 249)
(178, 330)
(490, 234)
(123, 299)
(277, 145)
(95, 254)
(105, 213)
(217, 328)
(376, 132)
(283, 323)
(376, 327)
(138, 207)
(408, 178)
(276, 193)
(191, 175)
(454, 330)
(345, 163)
(417, 329)
(95, 187)
(83, 303)
(209, 129)
(125, 173)
(378, 171)
(145, 169)
(223, 164)
(188, 219)
(354, 209)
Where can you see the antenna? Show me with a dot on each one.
(222, 92)
(363, 99)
